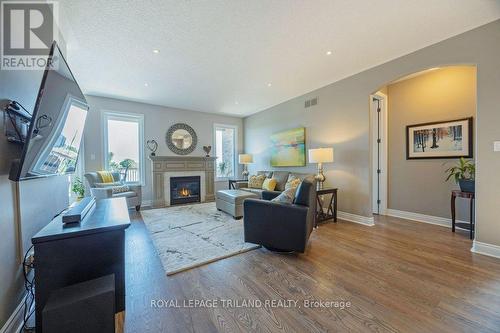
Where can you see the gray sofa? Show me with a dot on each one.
(103, 191)
(281, 178)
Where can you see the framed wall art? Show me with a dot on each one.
(288, 148)
(443, 139)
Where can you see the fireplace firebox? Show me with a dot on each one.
(184, 190)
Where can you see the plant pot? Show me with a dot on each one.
(467, 185)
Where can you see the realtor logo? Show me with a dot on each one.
(27, 31)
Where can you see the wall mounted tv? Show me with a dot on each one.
(58, 119)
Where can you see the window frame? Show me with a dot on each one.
(235, 150)
(131, 117)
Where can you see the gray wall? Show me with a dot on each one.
(342, 120)
(19, 221)
(157, 120)
(21, 86)
(418, 186)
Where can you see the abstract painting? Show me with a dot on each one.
(288, 148)
(445, 139)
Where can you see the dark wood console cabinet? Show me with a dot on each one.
(88, 250)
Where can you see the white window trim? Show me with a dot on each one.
(235, 154)
(136, 117)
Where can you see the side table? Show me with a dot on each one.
(467, 226)
(331, 207)
(231, 183)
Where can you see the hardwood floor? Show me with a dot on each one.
(399, 276)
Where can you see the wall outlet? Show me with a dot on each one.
(496, 146)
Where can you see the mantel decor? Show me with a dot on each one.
(207, 150)
(152, 145)
(181, 139)
(443, 139)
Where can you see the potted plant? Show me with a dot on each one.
(223, 168)
(78, 188)
(463, 173)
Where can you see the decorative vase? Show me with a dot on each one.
(467, 185)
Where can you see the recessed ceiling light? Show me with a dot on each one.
(236, 102)
(146, 84)
(269, 84)
(328, 52)
(156, 51)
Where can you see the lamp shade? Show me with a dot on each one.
(321, 155)
(245, 158)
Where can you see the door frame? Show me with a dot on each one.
(383, 194)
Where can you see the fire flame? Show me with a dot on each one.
(184, 192)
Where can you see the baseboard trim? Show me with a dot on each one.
(364, 220)
(436, 220)
(486, 249)
(15, 321)
(146, 203)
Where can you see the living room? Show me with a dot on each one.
(240, 167)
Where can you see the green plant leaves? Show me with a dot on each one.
(465, 169)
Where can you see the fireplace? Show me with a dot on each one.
(184, 190)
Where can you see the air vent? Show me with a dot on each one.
(311, 102)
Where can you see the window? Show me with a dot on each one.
(78, 175)
(225, 150)
(123, 145)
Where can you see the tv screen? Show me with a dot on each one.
(57, 123)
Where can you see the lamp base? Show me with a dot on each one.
(320, 177)
(245, 172)
(320, 185)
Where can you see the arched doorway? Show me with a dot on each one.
(416, 189)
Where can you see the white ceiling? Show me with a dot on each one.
(219, 55)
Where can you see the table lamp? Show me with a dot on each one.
(245, 159)
(320, 156)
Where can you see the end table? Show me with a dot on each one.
(468, 226)
(331, 207)
(233, 181)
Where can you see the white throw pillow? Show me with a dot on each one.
(120, 189)
(105, 185)
(286, 196)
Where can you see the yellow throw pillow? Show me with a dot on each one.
(256, 181)
(106, 176)
(269, 184)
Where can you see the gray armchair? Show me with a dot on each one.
(102, 190)
(280, 226)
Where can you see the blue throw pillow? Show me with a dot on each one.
(286, 196)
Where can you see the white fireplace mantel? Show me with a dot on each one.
(164, 167)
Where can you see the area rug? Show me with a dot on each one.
(194, 235)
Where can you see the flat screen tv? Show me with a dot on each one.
(58, 119)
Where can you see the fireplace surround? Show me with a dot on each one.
(165, 167)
